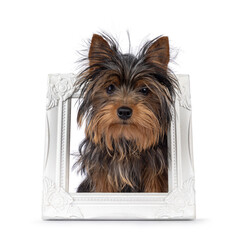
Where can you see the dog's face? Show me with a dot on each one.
(126, 99)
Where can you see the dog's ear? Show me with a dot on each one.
(158, 52)
(99, 50)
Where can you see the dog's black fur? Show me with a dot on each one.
(127, 155)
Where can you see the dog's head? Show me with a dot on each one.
(126, 98)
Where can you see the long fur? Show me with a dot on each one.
(128, 156)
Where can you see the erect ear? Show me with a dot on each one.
(158, 52)
(99, 50)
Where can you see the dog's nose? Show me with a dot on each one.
(124, 113)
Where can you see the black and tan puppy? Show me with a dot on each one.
(126, 100)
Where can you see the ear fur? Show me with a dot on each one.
(99, 50)
(158, 52)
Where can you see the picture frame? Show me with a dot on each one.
(59, 203)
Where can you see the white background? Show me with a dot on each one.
(41, 37)
(77, 135)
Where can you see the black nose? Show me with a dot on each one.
(124, 113)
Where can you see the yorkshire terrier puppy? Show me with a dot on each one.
(127, 102)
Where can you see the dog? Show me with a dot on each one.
(126, 101)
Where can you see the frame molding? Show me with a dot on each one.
(58, 203)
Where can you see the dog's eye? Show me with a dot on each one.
(144, 91)
(110, 89)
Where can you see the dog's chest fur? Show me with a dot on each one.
(124, 170)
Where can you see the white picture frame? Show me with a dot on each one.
(58, 203)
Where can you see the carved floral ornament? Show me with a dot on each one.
(184, 96)
(179, 202)
(60, 87)
(57, 202)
